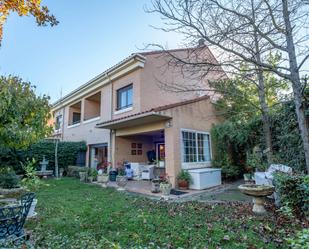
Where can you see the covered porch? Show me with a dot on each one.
(142, 140)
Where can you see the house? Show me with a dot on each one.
(127, 114)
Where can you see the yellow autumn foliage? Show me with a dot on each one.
(25, 8)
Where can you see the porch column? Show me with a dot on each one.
(172, 152)
(113, 147)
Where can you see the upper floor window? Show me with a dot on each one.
(195, 147)
(58, 122)
(75, 113)
(125, 97)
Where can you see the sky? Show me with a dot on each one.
(91, 37)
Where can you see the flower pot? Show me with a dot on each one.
(155, 186)
(182, 184)
(90, 178)
(82, 176)
(103, 179)
(165, 188)
(121, 182)
(32, 212)
(61, 170)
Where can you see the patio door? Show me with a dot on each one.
(98, 154)
(160, 153)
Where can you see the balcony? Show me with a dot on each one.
(92, 107)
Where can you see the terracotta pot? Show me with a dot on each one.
(182, 184)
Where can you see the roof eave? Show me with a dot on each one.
(134, 58)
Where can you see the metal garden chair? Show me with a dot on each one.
(12, 218)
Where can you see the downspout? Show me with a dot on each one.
(111, 143)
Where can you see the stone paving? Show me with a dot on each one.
(223, 193)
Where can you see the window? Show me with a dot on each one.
(58, 122)
(76, 117)
(196, 147)
(75, 113)
(125, 97)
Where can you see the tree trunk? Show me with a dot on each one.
(265, 117)
(56, 159)
(296, 82)
(262, 94)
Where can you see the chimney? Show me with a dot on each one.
(201, 42)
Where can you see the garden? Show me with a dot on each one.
(75, 215)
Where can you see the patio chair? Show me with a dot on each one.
(12, 218)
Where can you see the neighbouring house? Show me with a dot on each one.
(128, 114)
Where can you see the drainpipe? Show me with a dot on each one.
(111, 142)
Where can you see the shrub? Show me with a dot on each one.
(184, 175)
(67, 154)
(31, 181)
(8, 178)
(301, 241)
(293, 192)
(73, 171)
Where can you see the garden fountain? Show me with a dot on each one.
(44, 172)
(258, 192)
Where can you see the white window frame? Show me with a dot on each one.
(197, 163)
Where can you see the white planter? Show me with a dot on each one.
(32, 212)
(165, 188)
(121, 182)
(103, 179)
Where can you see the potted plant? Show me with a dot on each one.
(103, 173)
(184, 179)
(92, 174)
(61, 170)
(31, 182)
(121, 178)
(155, 185)
(165, 185)
(83, 176)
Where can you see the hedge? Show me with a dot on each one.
(67, 154)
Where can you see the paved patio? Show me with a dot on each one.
(222, 193)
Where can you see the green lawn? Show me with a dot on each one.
(76, 215)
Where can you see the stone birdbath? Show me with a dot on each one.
(258, 192)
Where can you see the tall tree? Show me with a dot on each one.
(233, 28)
(25, 8)
(23, 114)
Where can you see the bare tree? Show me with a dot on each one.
(245, 31)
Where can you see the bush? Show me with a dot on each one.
(8, 178)
(67, 154)
(184, 175)
(73, 171)
(293, 192)
(301, 241)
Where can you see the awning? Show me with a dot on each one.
(133, 120)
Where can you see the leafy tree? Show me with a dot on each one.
(25, 8)
(23, 114)
(244, 31)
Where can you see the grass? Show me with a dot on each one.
(76, 215)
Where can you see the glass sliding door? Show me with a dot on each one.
(98, 154)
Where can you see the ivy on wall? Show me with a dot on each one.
(234, 140)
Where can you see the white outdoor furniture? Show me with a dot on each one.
(266, 178)
(148, 172)
(136, 170)
(205, 178)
